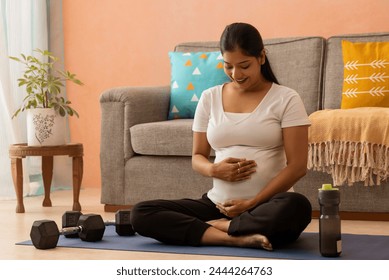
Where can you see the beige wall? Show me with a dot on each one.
(111, 43)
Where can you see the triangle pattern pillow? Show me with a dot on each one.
(191, 74)
(366, 74)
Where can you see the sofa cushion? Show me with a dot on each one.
(365, 82)
(191, 74)
(333, 68)
(296, 62)
(166, 138)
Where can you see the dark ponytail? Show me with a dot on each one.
(267, 72)
(246, 37)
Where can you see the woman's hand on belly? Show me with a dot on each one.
(234, 169)
(233, 208)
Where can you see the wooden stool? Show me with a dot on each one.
(19, 151)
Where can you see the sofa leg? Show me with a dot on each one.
(114, 208)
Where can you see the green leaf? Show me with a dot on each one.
(78, 82)
(16, 113)
(15, 58)
(70, 111)
(22, 82)
(62, 112)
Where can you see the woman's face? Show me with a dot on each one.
(243, 70)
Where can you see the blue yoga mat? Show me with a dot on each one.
(354, 247)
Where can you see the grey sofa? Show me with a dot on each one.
(145, 156)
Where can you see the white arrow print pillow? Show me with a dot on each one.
(366, 74)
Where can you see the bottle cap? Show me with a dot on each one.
(328, 187)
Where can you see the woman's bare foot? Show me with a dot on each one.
(215, 236)
(221, 224)
(255, 241)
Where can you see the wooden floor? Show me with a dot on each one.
(16, 227)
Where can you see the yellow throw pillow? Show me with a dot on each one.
(366, 74)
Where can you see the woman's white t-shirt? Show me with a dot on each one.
(253, 136)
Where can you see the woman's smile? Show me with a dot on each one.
(240, 81)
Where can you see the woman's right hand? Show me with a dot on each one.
(234, 169)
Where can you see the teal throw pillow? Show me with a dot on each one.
(192, 73)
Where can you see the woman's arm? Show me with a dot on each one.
(296, 151)
(200, 154)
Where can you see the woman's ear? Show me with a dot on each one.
(263, 57)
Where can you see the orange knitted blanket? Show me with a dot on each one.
(350, 144)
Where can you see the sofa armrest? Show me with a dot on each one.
(122, 108)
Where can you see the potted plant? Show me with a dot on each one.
(46, 107)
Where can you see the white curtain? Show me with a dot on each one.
(24, 26)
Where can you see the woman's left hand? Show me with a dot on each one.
(233, 208)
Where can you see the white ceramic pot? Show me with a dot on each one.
(45, 127)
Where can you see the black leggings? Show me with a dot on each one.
(183, 221)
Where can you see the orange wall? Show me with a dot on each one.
(110, 43)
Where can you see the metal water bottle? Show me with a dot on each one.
(329, 222)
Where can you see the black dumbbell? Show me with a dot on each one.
(122, 223)
(70, 219)
(45, 233)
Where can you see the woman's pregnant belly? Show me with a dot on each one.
(269, 164)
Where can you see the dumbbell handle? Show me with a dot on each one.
(71, 230)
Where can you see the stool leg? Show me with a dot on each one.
(47, 174)
(17, 177)
(78, 169)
